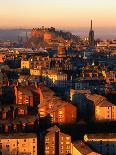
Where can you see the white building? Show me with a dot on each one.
(55, 78)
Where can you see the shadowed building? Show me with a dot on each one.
(104, 143)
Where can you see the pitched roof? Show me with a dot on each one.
(102, 136)
(53, 129)
(95, 98)
(58, 105)
(82, 147)
(18, 136)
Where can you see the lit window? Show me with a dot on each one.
(67, 138)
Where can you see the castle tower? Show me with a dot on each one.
(91, 36)
(61, 50)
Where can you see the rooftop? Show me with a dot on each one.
(58, 105)
(18, 136)
(82, 147)
(95, 98)
(102, 136)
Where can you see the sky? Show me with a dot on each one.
(67, 14)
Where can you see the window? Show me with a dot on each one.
(67, 142)
(0, 146)
(67, 138)
(68, 146)
(47, 139)
(47, 147)
(33, 140)
(67, 151)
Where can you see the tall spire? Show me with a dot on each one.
(91, 35)
(91, 24)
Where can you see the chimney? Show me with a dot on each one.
(36, 85)
(27, 82)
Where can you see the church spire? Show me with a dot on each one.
(91, 24)
(91, 35)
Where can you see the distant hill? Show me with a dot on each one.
(12, 34)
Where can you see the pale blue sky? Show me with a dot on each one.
(58, 13)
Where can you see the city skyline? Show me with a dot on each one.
(61, 14)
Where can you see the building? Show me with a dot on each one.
(100, 108)
(55, 108)
(19, 124)
(20, 143)
(2, 57)
(95, 84)
(3, 79)
(40, 61)
(27, 95)
(61, 51)
(78, 97)
(48, 103)
(35, 72)
(81, 148)
(55, 78)
(48, 37)
(57, 142)
(25, 64)
(13, 111)
(59, 113)
(104, 143)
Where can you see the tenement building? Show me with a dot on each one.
(20, 143)
(57, 142)
(100, 108)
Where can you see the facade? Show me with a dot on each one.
(101, 109)
(59, 113)
(61, 51)
(20, 143)
(105, 143)
(2, 57)
(55, 78)
(78, 97)
(48, 103)
(35, 72)
(55, 108)
(47, 37)
(25, 64)
(12, 111)
(94, 84)
(3, 79)
(57, 142)
(26, 95)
